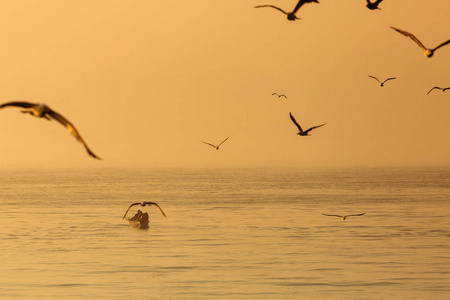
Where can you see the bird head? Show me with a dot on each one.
(292, 17)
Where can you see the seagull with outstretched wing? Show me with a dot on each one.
(344, 217)
(301, 132)
(144, 204)
(216, 147)
(373, 5)
(439, 88)
(41, 110)
(426, 51)
(290, 15)
(279, 95)
(381, 83)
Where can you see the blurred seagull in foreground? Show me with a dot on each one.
(290, 15)
(144, 204)
(427, 52)
(41, 110)
(374, 5)
(343, 217)
(439, 88)
(381, 83)
(279, 95)
(301, 132)
(217, 147)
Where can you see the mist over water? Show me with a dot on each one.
(229, 233)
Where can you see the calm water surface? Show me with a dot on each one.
(229, 234)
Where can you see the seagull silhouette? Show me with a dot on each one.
(41, 110)
(374, 5)
(439, 88)
(301, 132)
(290, 15)
(427, 52)
(217, 147)
(144, 204)
(279, 95)
(381, 83)
(343, 217)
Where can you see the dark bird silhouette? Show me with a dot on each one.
(144, 204)
(381, 83)
(41, 110)
(217, 147)
(439, 88)
(374, 5)
(343, 217)
(426, 51)
(301, 132)
(290, 15)
(279, 95)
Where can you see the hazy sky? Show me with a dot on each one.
(145, 81)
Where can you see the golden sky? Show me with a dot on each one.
(144, 82)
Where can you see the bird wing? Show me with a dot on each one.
(129, 209)
(444, 89)
(156, 204)
(282, 95)
(275, 94)
(73, 131)
(374, 78)
(258, 6)
(315, 127)
(389, 79)
(378, 2)
(209, 144)
(295, 122)
(223, 141)
(301, 2)
(332, 215)
(356, 215)
(441, 45)
(411, 36)
(436, 87)
(19, 104)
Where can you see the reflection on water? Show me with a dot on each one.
(228, 234)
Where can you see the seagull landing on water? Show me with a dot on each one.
(144, 204)
(290, 15)
(381, 83)
(439, 88)
(374, 5)
(216, 147)
(344, 217)
(301, 132)
(279, 95)
(43, 111)
(427, 52)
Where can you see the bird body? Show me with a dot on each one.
(290, 15)
(301, 131)
(343, 217)
(143, 204)
(381, 83)
(374, 5)
(439, 88)
(41, 110)
(279, 95)
(426, 51)
(214, 146)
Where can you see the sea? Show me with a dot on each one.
(230, 233)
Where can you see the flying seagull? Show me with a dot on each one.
(144, 204)
(279, 95)
(381, 83)
(344, 217)
(427, 52)
(290, 15)
(217, 147)
(41, 110)
(439, 88)
(301, 132)
(374, 5)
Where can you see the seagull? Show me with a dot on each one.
(301, 132)
(282, 95)
(374, 5)
(290, 15)
(344, 217)
(427, 52)
(41, 110)
(381, 83)
(439, 88)
(144, 204)
(217, 147)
